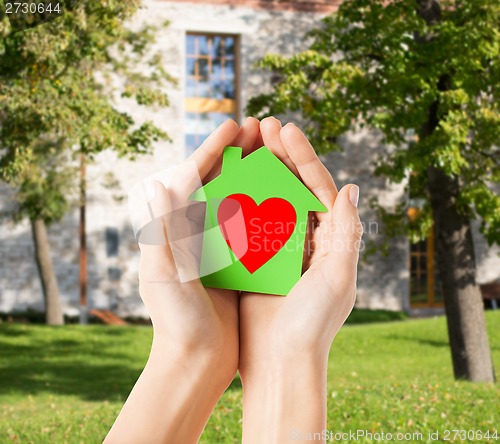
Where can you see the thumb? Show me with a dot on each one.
(345, 238)
(157, 263)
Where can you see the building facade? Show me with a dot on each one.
(212, 48)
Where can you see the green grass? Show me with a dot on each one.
(365, 316)
(357, 316)
(66, 385)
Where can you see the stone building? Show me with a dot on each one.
(212, 47)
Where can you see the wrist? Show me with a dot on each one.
(197, 361)
(276, 363)
(281, 372)
(283, 397)
(175, 394)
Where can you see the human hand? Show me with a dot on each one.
(194, 355)
(190, 317)
(284, 341)
(306, 320)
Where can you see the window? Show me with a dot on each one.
(425, 287)
(211, 85)
(112, 241)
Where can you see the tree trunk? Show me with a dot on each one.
(470, 350)
(53, 310)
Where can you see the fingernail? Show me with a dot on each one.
(150, 189)
(354, 195)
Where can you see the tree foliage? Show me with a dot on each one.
(431, 87)
(59, 82)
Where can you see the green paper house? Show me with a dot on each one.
(255, 224)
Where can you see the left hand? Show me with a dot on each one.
(304, 323)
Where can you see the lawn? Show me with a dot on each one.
(67, 384)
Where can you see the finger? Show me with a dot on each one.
(344, 242)
(270, 128)
(337, 270)
(258, 142)
(190, 175)
(210, 151)
(247, 135)
(312, 171)
(157, 262)
(244, 139)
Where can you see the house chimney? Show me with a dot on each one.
(232, 155)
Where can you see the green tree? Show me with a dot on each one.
(423, 67)
(58, 85)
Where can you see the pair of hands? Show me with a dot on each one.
(249, 330)
(202, 336)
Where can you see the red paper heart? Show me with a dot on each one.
(255, 233)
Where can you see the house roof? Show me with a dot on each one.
(261, 175)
